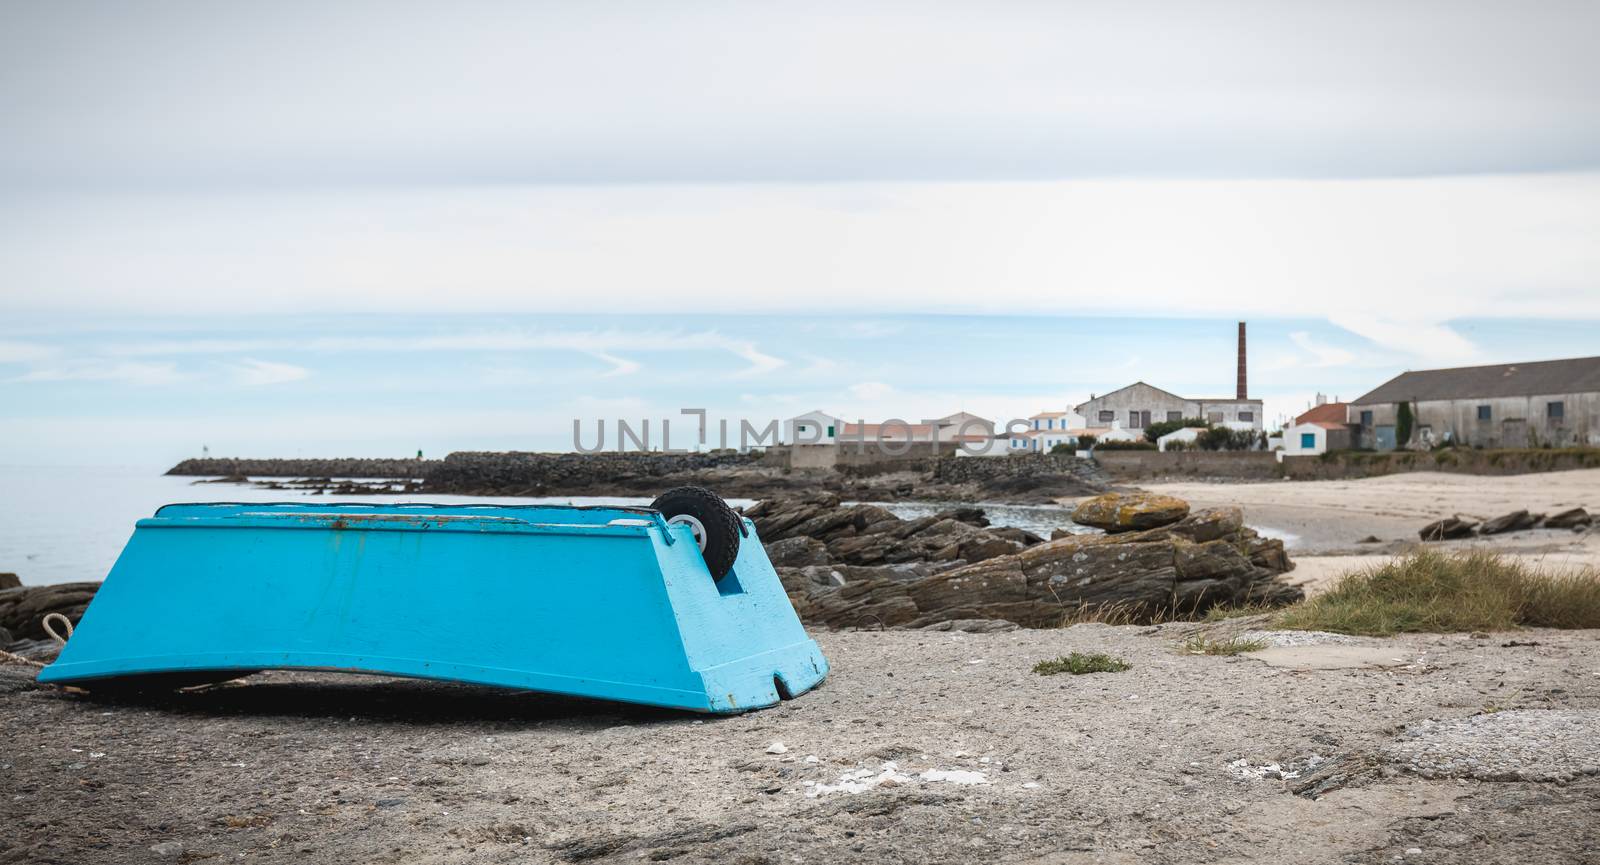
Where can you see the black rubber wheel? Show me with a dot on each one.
(715, 525)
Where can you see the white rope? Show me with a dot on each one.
(65, 622)
(7, 656)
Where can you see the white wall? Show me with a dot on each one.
(1291, 440)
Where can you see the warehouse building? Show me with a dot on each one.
(1553, 403)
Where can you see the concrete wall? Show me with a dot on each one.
(1133, 465)
(1514, 422)
(1338, 465)
(812, 457)
(919, 457)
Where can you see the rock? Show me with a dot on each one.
(1058, 534)
(1209, 524)
(1124, 512)
(1565, 520)
(1021, 536)
(796, 552)
(1141, 573)
(1370, 539)
(23, 608)
(10, 581)
(168, 849)
(1447, 529)
(1515, 521)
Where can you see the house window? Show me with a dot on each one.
(1555, 410)
(1247, 415)
(1174, 415)
(1214, 416)
(1483, 412)
(830, 431)
(1308, 441)
(1108, 416)
(1366, 418)
(1133, 420)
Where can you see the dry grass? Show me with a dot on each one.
(1200, 644)
(1223, 613)
(1078, 663)
(1431, 592)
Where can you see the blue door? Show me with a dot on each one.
(1385, 438)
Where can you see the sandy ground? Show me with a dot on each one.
(1325, 522)
(1179, 760)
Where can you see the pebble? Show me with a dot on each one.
(167, 849)
(777, 748)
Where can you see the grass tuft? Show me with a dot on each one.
(1200, 644)
(1432, 592)
(1078, 663)
(1223, 613)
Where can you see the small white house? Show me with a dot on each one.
(815, 428)
(1314, 437)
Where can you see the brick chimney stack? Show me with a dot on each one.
(1244, 390)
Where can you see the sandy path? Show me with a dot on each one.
(1338, 514)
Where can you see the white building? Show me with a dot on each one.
(814, 427)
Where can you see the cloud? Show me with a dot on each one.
(1386, 249)
(24, 352)
(1432, 343)
(557, 92)
(256, 373)
(1324, 355)
(869, 390)
(601, 344)
(619, 365)
(139, 373)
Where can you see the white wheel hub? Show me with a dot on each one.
(694, 525)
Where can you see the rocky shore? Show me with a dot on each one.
(861, 566)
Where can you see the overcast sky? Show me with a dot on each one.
(1370, 174)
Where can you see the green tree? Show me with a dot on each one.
(1402, 425)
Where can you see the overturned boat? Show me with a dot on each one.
(673, 605)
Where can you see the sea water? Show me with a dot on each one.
(65, 524)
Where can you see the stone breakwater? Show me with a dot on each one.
(538, 474)
(305, 468)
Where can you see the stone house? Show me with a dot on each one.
(1511, 405)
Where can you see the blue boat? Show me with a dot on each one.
(643, 605)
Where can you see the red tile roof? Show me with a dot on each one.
(1332, 412)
